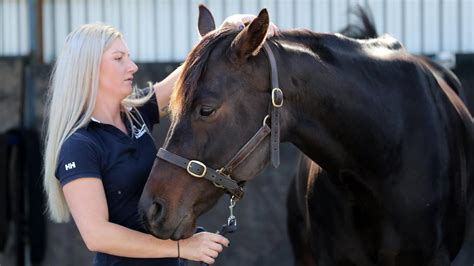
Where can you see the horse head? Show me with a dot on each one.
(219, 102)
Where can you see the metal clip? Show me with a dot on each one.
(231, 225)
(233, 201)
(232, 220)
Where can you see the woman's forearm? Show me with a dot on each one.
(118, 240)
(164, 89)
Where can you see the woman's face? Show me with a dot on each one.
(116, 71)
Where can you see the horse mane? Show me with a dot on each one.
(194, 66)
(363, 27)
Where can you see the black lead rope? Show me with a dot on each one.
(227, 228)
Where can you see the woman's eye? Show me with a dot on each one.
(118, 58)
(206, 111)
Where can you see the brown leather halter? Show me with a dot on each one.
(222, 178)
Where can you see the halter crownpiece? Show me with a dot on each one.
(221, 178)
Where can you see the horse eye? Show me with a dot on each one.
(207, 111)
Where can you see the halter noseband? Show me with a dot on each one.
(221, 178)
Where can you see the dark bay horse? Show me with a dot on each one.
(396, 149)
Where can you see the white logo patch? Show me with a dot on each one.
(138, 133)
(70, 166)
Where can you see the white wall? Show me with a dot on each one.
(165, 30)
(14, 34)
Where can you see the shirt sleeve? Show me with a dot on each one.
(149, 111)
(78, 158)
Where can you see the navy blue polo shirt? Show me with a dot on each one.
(123, 162)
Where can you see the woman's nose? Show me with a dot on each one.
(133, 67)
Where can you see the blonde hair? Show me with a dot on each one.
(71, 99)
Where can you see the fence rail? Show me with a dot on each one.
(165, 30)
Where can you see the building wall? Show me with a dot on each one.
(165, 30)
(11, 75)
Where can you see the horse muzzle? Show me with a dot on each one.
(156, 219)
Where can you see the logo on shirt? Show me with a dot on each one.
(70, 166)
(138, 133)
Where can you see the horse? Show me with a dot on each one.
(394, 139)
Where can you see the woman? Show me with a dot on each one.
(99, 151)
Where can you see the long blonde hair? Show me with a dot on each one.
(71, 99)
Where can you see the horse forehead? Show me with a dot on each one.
(220, 70)
(219, 64)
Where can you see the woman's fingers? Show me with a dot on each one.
(208, 260)
(273, 30)
(203, 247)
(216, 247)
(212, 253)
(240, 20)
(220, 239)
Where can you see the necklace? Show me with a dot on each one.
(95, 120)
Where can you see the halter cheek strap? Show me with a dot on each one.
(277, 102)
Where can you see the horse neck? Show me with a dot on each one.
(328, 109)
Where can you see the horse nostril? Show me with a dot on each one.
(155, 213)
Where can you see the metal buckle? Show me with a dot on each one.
(221, 172)
(204, 168)
(274, 99)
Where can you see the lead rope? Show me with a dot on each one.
(229, 227)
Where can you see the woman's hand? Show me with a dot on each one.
(240, 20)
(203, 247)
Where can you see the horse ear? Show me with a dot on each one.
(249, 41)
(205, 20)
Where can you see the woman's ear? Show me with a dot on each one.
(249, 41)
(205, 20)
